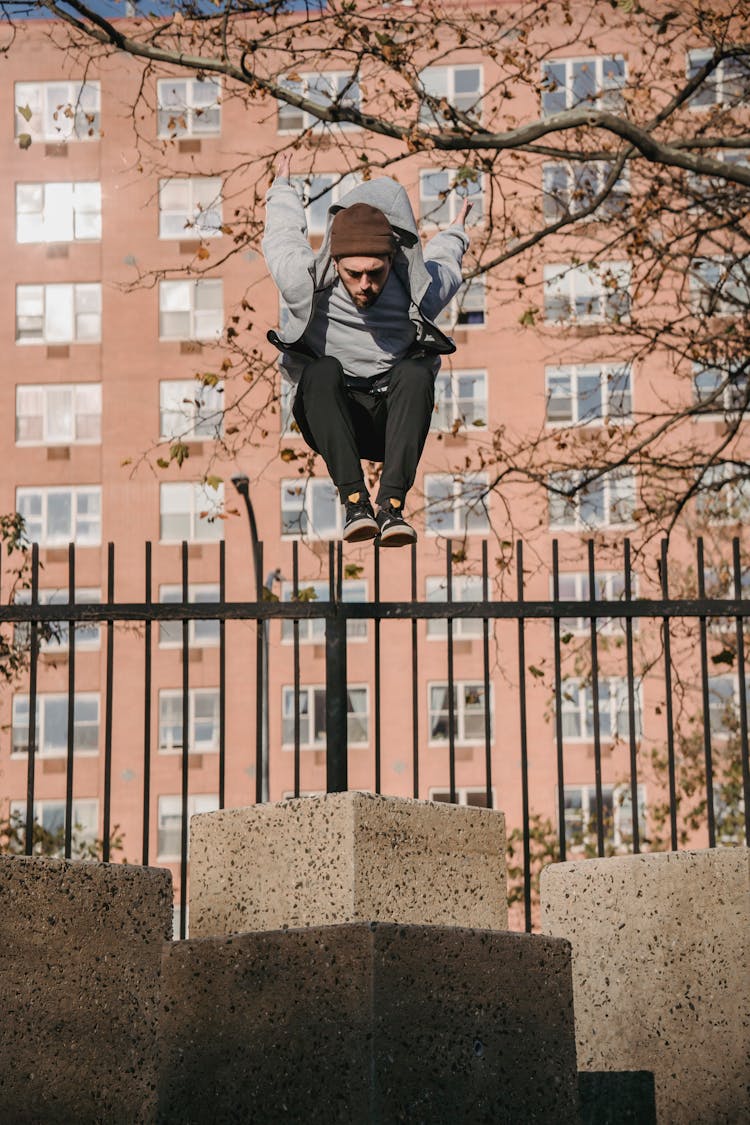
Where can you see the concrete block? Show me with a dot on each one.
(369, 1023)
(346, 857)
(661, 971)
(79, 990)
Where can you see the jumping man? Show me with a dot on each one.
(360, 340)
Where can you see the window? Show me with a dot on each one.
(570, 188)
(465, 588)
(52, 724)
(468, 712)
(49, 819)
(589, 394)
(456, 505)
(56, 638)
(169, 824)
(191, 310)
(313, 630)
(56, 516)
(442, 193)
(190, 206)
(189, 107)
(203, 720)
(456, 86)
(191, 410)
(58, 413)
(460, 401)
(574, 587)
(587, 294)
(339, 87)
(312, 716)
(467, 308)
(721, 390)
(190, 512)
(728, 84)
(57, 111)
(58, 212)
(578, 709)
(596, 81)
(719, 583)
(319, 192)
(724, 495)
(311, 508)
(201, 634)
(58, 314)
(474, 797)
(719, 287)
(608, 501)
(617, 815)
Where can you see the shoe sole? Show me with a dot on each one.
(397, 538)
(360, 531)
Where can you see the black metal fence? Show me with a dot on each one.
(33, 621)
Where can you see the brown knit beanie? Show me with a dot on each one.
(361, 230)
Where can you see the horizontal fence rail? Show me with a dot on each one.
(34, 623)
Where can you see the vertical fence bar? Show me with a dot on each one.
(71, 706)
(295, 637)
(737, 567)
(336, 708)
(487, 687)
(631, 703)
(524, 740)
(703, 625)
(452, 694)
(666, 641)
(148, 640)
(377, 684)
(32, 726)
(595, 706)
(414, 680)
(222, 674)
(561, 825)
(260, 688)
(185, 776)
(109, 705)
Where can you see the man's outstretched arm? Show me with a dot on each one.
(285, 246)
(443, 255)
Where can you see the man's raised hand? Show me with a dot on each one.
(283, 165)
(463, 214)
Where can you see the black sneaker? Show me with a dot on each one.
(359, 521)
(394, 530)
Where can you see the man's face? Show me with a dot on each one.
(364, 278)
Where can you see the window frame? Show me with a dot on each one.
(461, 686)
(89, 830)
(453, 199)
(311, 629)
(80, 292)
(192, 288)
(48, 391)
(77, 210)
(76, 91)
(87, 634)
(196, 803)
(191, 220)
(339, 185)
(615, 797)
(463, 590)
(609, 583)
(731, 492)
(307, 718)
(612, 707)
(191, 111)
(307, 487)
(556, 207)
(560, 286)
(715, 83)
(310, 123)
(193, 513)
(197, 594)
(174, 695)
(190, 392)
(44, 492)
(576, 372)
(426, 116)
(51, 698)
(450, 318)
(610, 96)
(610, 501)
(458, 482)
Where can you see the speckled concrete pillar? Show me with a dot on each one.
(364, 1024)
(79, 977)
(346, 857)
(661, 972)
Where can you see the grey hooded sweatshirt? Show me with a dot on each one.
(305, 278)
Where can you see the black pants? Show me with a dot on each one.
(345, 425)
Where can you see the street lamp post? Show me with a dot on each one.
(241, 482)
